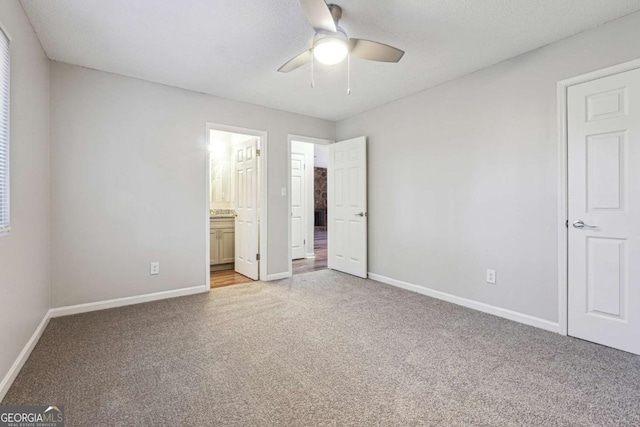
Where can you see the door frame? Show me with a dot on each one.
(310, 140)
(563, 181)
(262, 194)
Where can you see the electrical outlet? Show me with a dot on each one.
(491, 277)
(154, 268)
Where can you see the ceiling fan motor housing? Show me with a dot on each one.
(336, 12)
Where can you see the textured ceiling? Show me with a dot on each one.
(233, 48)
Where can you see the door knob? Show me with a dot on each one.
(580, 224)
(361, 214)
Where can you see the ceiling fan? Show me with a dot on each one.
(331, 44)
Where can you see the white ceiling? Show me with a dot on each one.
(233, 48)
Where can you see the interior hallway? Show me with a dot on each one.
(319, 248)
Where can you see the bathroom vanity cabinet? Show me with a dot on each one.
(222, 242)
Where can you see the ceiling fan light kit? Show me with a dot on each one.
(331, 45)
(330, 49)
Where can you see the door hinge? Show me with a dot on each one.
(304, 242)
(257, 257)
(566, 223)
(257, 151)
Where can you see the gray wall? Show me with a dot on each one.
(464, 177)
(128, 182)
(24, 254)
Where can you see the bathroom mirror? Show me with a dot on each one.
(220, 181)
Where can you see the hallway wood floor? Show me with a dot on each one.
(320, 249)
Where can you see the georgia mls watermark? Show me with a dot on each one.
(31, 416)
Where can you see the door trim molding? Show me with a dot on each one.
(563, 255)
(310, 140)
(262, 191)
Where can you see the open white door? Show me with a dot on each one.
(347, 206)
(246, 250)
(298, 206)
(604, 211)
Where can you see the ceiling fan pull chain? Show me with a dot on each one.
(313, 61)
(348, 74)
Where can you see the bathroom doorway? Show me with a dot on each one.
(233, 194)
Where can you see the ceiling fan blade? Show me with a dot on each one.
(374, 51)
(318, 14)
(297, 62)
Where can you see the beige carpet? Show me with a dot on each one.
(322, 349)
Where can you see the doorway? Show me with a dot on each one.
(308, 201)
(343, 222)
(602, 235)
(234, 167)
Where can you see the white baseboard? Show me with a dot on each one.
(480, 306)
(278, 276)
(121, 302)
(23, 356)
(84, 308)
(312, 255)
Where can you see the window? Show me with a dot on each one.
(4, 133)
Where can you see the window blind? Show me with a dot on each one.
(5, 71)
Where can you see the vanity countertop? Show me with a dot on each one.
(222, 213)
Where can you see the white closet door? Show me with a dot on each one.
(604, 211)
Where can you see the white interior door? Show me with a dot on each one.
(246, 244)
(347, 206)
(604, 211)
(298, 206)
